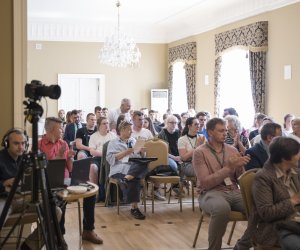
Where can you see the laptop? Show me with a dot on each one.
(81, 171)
(55, 171)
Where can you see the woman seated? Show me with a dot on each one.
(276, 195)
(129, 173)
(234, 135)
(187, 144)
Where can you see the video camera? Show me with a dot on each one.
(35, 90)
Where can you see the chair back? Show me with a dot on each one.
(245, 182)
(157, 148)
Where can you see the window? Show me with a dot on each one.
(235, 85)
(179, 96)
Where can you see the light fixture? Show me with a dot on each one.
(119, 50)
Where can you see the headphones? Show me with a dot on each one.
(5, 139)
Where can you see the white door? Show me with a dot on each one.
(81, 91)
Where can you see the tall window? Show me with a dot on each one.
(179, 98)
(235, 85)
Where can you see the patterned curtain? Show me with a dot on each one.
(188, 54)
(257, 61)
(218, 63)
(253, 37)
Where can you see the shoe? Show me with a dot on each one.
(123, 183)
(91, 236)
(177, 192)
(136, 213)
(158, 196)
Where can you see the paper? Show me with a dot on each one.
(138, 145)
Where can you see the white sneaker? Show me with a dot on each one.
(158, 196)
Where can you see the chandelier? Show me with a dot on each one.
(119, 50)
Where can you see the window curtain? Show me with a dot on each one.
(253, 37)
(186, 53)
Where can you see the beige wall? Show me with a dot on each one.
(284, 39)
(82, 58)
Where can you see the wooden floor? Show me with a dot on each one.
(167, 228)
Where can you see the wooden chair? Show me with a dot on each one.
(28, 218)
(160, 149)
(234, 216)
(192, 180)
(245, 182)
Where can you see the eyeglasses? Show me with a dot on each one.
(203, 120)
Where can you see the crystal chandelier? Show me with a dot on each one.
(119, 50)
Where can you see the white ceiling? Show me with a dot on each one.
(151, 21)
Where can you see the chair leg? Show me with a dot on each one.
(198, 230)
(193, 197)
(118, 199)
(20, 236)
(152, 194)
(231, 232)
(170, 193)
(180, 195)
(107, 195)
(79, 217)
(144, 196)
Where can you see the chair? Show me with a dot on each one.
(245, 182)
(160, 149)
(193, 181)
(28, 218)
(234, 216)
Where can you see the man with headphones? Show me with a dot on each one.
(15, 143)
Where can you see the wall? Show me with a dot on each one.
(82, 58)
(284, 39)
(281, 97)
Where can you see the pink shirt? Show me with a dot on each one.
(51, 150)
(210, 170)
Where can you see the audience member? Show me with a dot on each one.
(15, 144)
(178, 123)
(153, 116)
(257, 138)
(162, 125)
(217, 166)
(287, 124)
(83, 136)
(234, 134)
(229, 111)
(202, 118)
(129, 173)
(105, 112)
(98, 112)
(61, 115)
(119, 120)
(114, 114)
(138, 132)
(296, 129)
(187, 144)
(81, 116)
(258, 123)
(183, 117)
(71, 128)
(54, 147)
(276, 199)
(259, 153)
(145, 112)
(148, 124)
(191, 112)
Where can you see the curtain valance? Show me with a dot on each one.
(185, 52)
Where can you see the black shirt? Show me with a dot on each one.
(8, 167)
(173, 141)
(84, 134)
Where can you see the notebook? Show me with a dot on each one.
(55, 171)
(81, 171)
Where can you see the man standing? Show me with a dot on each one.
(114, 114)
(217, 167)
(55, 148)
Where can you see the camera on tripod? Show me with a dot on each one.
(35, 90)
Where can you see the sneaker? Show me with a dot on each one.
(158, 196)
(136, 213)
(123, 183)
(91, 236)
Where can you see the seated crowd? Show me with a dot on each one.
(215, 151)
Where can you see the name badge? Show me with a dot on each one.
(227, 181)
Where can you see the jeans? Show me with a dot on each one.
(173, 165)
(289, 240)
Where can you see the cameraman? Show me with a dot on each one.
(15, 144)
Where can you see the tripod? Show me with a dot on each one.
(46, 210)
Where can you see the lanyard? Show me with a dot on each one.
(191, 142)
(215, 155)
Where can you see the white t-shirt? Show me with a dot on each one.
(295, 137)
(144, 134)
(97, 140)
(187, 143)
(113, 117)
